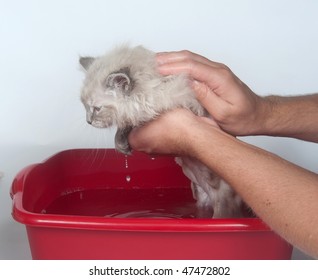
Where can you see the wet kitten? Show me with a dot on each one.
(123, 88)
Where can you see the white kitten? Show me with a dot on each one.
(123, 88)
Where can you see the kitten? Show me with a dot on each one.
(123, 88)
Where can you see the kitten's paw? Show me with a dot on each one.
(121, 141)
(123, 147)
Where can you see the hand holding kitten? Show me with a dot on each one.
(233, 105)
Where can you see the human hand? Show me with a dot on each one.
(232, 104)
(173, 132)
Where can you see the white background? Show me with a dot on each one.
(271, 45)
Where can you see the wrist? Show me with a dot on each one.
(205, 140)
(267, 115)
(292, 116)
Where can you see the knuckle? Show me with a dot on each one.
(189, 64)
(186, 54)
(225, 72)
(224, 68)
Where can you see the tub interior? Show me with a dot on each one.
(108, 184)
(105, 183)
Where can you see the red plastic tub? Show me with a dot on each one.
(99, 204)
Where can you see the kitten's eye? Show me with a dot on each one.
(97, 109)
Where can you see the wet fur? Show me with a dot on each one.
(123, 88)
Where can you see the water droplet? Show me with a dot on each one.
(126, 161)
(153, 158)
(81, 195)
(43, 211)
(128, 178)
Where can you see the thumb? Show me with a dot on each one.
(206, 97)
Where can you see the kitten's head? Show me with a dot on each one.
(101, 100)
(112, 86)
(103, 90)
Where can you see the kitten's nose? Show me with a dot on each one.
(89, 121)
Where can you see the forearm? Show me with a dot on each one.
(295, 117)
(284, 195)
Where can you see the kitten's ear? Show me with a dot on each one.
(86, 61)
(120, 80)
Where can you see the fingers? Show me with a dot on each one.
(194, 65)
(167, 134)
(143, 138)
(208, 98)
(193, 69)
(179, 56)
(210, 79)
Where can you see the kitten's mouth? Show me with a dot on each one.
(98, 125)
(102, 123)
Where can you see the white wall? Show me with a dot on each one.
(271, 45)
